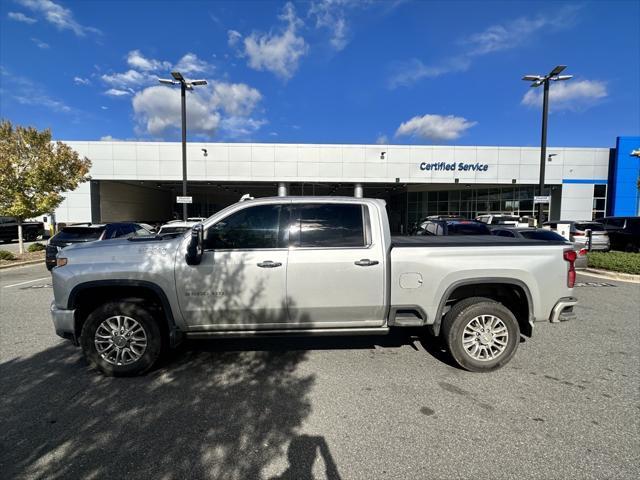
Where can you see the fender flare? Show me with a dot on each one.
(155, 288)
(476, 281)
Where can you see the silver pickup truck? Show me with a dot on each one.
(306, 266)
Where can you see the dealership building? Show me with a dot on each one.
(140, 181)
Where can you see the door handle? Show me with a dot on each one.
(365, 262)
(269, 264)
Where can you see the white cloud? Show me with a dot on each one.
(115, 92)
(278, 53)
(330, 14)
(104, 107)
(62, 18)
(81, 81)
(190, 64)
(512, 34)
(39, 43)
(235, 98)
(108, 138)
(223, 107)
(233, 37)
(435, 127)
(21, 17)
(157, 110)
(572, 95)
(27, 92)
(382, 139)
(495, 38)
(128, 79)
(409, 72)
(136, 60)
(236, 127)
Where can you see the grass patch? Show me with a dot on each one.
(615, 261)
(36, 247)
(6, 255)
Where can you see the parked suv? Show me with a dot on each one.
(624, 232)
(578, 233)
(452, 227)
(532, 233)
(88, 232)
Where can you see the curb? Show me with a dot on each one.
(21, 264)
(623, 277)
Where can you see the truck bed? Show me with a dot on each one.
(466, 241)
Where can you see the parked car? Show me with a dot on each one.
(532, 233)
(452, 227)
(578, 233)
(87, 232)
(307, 266)
(499, 219)
(174, 228)
(9, 230)
(624, 232)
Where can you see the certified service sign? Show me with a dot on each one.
(440, 166)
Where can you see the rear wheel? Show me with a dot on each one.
(121, 339)
(482, 335)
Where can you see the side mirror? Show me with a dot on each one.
(196, 245)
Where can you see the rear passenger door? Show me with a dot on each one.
(335, 274)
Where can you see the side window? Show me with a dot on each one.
(432, 228)
(331, 225)
(141, 231)
(251, 228)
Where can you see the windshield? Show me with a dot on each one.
(468, 228)
(80, 234)
(543, 235)
(167, 230)
(596, 227)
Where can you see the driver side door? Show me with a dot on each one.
(241, 280)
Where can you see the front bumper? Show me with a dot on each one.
(563, 310)
(64, 322)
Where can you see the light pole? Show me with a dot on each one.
(544, 80)
(178, 79)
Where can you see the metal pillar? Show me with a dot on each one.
(357, 190)
(183, 89)
(282, 189)
(543, 149)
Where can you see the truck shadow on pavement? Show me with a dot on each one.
(227, 414)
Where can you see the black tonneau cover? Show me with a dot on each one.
(467, 241)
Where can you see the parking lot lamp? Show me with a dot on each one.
(185, 85)
(544, 80)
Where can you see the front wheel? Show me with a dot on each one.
(121, 339)
(482, 335)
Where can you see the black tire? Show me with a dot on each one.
(154, 339)
(460, 315)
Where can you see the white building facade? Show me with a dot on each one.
(140, 180)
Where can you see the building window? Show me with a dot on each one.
(599, 201)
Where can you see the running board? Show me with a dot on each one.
(294, 332)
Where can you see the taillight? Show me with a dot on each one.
(578, 234)
(570, 256)
(582, 252)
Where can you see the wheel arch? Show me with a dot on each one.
(508, 291)
(88, 295)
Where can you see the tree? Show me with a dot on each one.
(35, 172)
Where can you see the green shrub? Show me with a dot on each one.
(36, 247)
(6, 255)
(615, 261)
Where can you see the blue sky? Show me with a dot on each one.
(324, 71)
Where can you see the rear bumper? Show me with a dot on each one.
(563, 310)
(64, 322)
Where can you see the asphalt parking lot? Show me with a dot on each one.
(567, 406)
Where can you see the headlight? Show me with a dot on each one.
(61, 261)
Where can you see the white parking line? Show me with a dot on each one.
(24, 283)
